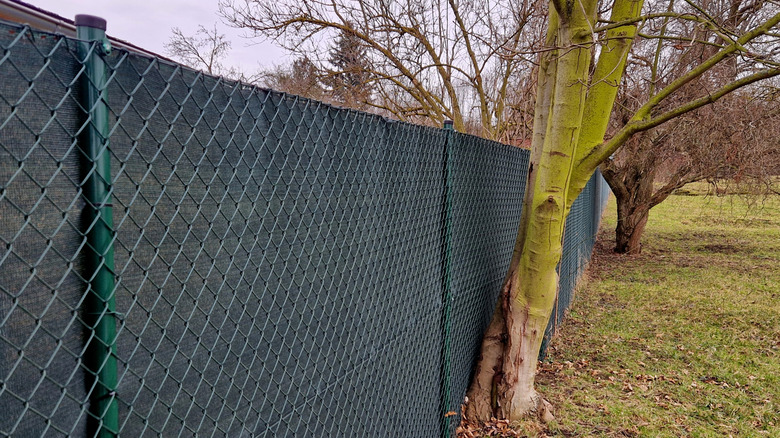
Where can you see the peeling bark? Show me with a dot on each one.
(481, 394)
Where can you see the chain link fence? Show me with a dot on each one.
(582, 226)
(273, 266)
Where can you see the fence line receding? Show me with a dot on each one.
(281, 267)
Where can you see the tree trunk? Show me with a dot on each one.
(503, 385)
(630, 226)
(633, 184)
(527, 307)
(569, 113)
(568, 144)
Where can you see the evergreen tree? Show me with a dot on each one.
(350, 76)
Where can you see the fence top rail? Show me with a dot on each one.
(20, 15)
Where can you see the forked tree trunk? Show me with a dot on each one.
(570, 119)
(503, 386)
(571, 116)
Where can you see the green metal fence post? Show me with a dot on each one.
(447, 280)
(99, 306)
(595, 205)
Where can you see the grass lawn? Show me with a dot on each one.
(681, 340)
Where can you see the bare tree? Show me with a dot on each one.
(582, 66)
(205, 51)
(733, 141)
(302, 78)
(428, 60)
(656, 162)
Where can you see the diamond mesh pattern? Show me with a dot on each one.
(487, 189)
(41, 287)
(582, 225)
(283, 267)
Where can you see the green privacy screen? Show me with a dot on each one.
(282, 267)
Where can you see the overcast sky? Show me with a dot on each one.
(148, 24)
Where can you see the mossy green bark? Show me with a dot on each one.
(572, 112)
(573, 109)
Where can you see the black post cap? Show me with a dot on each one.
(91, 21)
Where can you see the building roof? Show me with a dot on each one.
(16, 11)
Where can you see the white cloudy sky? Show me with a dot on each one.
(148, 23)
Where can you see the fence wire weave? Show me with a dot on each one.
(282, 267)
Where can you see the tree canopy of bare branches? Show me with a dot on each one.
(684, 35)
(429, 60)
(206, 51)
